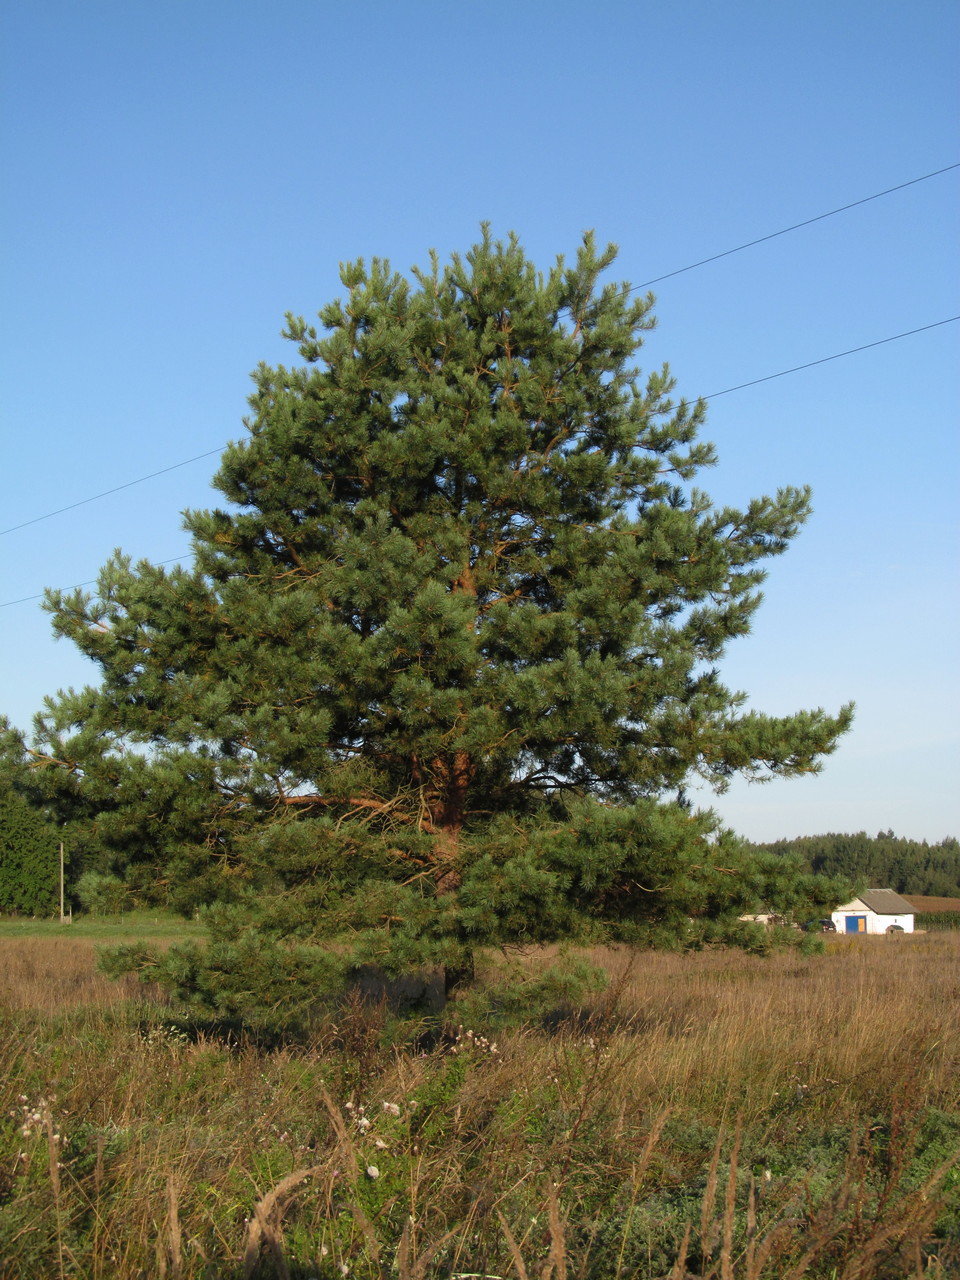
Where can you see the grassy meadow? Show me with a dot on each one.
(708, 1115)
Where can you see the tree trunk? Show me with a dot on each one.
(452, 778)
(456, 976)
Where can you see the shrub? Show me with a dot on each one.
(102, 895)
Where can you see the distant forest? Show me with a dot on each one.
(883, 861)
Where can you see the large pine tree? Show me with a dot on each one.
(440, 672)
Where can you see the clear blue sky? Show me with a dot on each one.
(178, 175)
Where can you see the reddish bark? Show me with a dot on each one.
(451, 782)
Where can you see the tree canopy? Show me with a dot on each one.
(445, 663)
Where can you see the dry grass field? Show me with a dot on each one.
(708, 1115)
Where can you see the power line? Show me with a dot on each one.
(838, 355)
(795, 227)
(669, 275)
(159, 564)
(106, 493)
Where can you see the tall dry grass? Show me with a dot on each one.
(53, 975)
(712, 1115)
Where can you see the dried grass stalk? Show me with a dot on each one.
(411, 1267)
(174, 1233)
(556, 1264)
(262, 1230)
(515, 1254)
(729, 1207)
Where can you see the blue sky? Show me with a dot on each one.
(178, 175)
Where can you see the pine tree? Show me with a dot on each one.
(440, 673)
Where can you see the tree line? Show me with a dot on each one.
(883, 861)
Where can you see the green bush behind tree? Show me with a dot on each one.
(29, 858)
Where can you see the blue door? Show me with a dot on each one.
(856, 924)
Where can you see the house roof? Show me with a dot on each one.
(886, 903)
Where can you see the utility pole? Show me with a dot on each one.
(63, 918)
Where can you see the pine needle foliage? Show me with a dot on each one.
(29, 863)
(445, 663)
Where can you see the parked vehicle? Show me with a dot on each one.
(820, 926)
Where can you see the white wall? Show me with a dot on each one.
(875, 923)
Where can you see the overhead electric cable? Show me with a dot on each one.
(89, 583)
(838, 355)
(106, 493)
(679, 271)
(795, 227)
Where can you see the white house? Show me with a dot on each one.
(875, 911)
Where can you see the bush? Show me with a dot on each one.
(102, 895)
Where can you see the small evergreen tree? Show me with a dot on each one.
(439, 676)
(29, 858)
